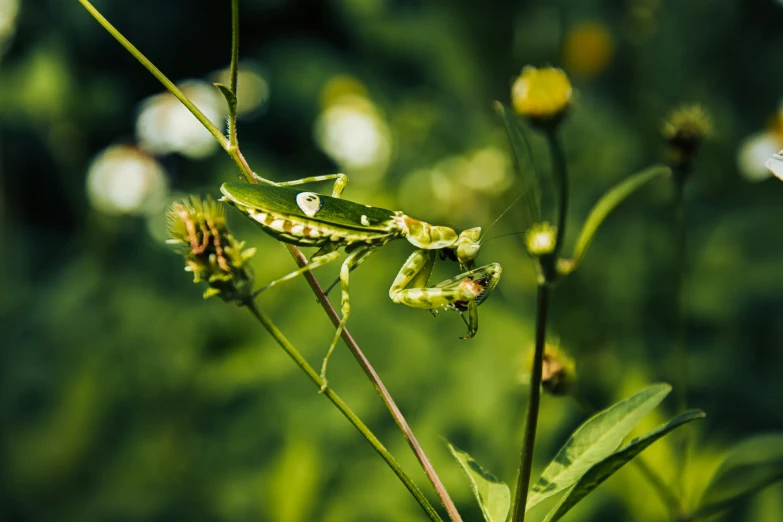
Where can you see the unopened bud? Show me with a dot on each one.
(558, 371)
(542, 95)
(685, 129)
(540, 239)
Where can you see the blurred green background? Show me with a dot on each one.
(125, 397)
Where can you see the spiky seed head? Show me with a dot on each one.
(685, 129)
(540, 239)
(542, 95)
(199, 229)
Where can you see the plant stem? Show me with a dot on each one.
(232, 120)
(681, 352)
(344, 409)
(561, 174)
(200, 116)
(681, 355)
(531, 423)
(236, 154)
(549, 272)
(386, 397)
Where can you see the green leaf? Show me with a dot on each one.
(750, 466)
(609, 202)
(595, 440)
(230, 97)
(607, 467)
(493, 495)
(523, 162)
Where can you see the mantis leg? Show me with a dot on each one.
(315, 262)
(356, 257)
(341, 180)
(462, 293)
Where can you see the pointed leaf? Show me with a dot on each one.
(523, 162)
(750, 466)
(493, 495)
(595, 440)
(607, 467)
(609, 202)
(230, 97)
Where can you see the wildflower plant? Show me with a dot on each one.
(540, 101)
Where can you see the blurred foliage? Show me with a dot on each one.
(124, 396)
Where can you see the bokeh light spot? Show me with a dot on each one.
(164, 125)
(125, 180)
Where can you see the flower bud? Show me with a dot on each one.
(540, 239)
(684, 130)
(558, 371)
(200, 231)
(543, 95)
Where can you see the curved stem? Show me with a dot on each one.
(200, 116)
(344, 409)
(386, 397)
(531, 422)
(235, 153)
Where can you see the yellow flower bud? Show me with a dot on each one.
(540, 239)
(543, 95)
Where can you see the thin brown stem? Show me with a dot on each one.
(386, 397)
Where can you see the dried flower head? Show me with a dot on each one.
(543, 95)
(685, 129)
(199, 229)
(558, 372)
(540, 239)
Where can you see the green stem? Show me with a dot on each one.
(156, 73)
(344, 409)
(236, 154)
(561, 174)
(232, 119)
(386, 397)
(681, 352)
(529, 440)
(681, 355)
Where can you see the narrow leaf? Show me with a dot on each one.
(230, 97)
(607, 467)
(595, 440)
(750, 466)
(609, 202)
(523, 162)
(493, 496)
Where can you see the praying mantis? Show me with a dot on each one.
(308, 219)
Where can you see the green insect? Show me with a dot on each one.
(330, 223)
